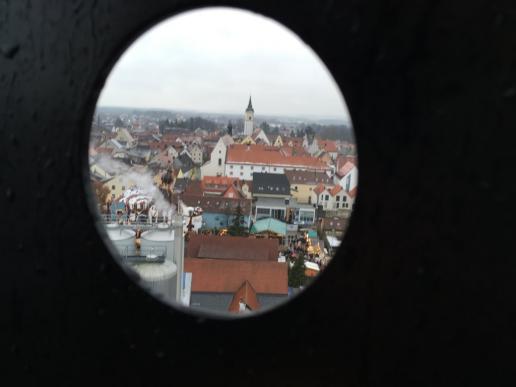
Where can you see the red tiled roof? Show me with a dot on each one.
(327, 145)
(232, 192)
(341, 160)
(219, 185)
(260, 154)
(294, 151)
(335, 190)
(320, 188)
(232, 247)
(193, 187)
(227, 276)
(346, 168)
(218, 180)
(247, 295)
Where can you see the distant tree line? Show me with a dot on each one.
(269, 129)
(329, 132)
(192, 123)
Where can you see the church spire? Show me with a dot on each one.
(250, 106)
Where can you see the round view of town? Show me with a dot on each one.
(223, 162)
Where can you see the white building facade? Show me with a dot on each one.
(350, 180)
(216, 165)
(245, 171)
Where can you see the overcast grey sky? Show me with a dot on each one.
(210, 60)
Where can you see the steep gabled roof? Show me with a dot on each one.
(247, 295)
(249, 106)
(319, 188)
(346, 168)
(335, 190)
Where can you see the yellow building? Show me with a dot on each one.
(117, 185)
(302, 183)
(278, 142)
(248, 140)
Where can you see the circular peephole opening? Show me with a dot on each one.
(223, 162)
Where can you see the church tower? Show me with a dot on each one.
(248, 119)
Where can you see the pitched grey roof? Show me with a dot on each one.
(270, 184)
(249, 106)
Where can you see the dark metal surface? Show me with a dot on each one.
(423, 290)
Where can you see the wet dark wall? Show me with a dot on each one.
(423, 289)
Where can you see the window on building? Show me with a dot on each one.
(348, 182)
(252, 168)
(230, 173)
(326, 197)
(337, 198)
(274, 169)
(113, 187)
(231, 167)
(241, 173)
(220, 161)
(123, 188)
(337, 205)
(241, 167)
(344, 198)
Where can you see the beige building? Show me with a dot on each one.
(302, 184)
(195, 151)
(117, 185)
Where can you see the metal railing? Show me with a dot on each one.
(141, 222)
(155, 254)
